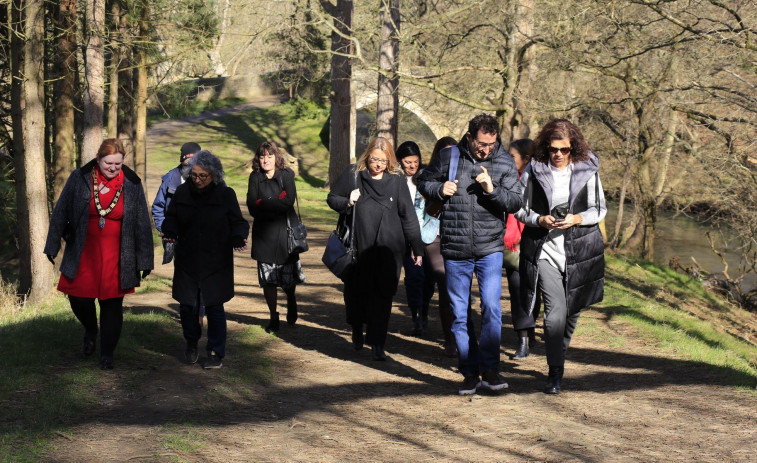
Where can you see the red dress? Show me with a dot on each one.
(99, 269)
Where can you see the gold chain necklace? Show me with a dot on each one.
(100, 210)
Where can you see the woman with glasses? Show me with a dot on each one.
(270, 199)
(102, 215)
(205, 221)
(561, 250)
(385, 222)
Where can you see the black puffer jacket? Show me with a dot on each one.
(473, 221)
(584, 246)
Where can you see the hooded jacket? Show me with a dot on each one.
(473, 221)
(584, 246)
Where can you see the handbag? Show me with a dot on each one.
(297, 234)
(340, 254)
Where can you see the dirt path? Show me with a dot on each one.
(324, 402)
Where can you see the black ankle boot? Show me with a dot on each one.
(554, 379)
(378, 353)
(417, 322)
(273, 324)
(291, 310)
(521, 351)
(357, 337)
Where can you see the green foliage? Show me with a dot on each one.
(198, 17)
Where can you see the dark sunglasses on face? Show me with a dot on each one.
(554, 150)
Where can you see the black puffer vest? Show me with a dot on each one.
(584, 247)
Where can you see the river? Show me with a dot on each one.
(685, 237)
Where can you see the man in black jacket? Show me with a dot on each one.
(477, 195)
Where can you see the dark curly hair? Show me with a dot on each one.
(485, 123)
(272, 148)
(557, 129)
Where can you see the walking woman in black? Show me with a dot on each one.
(385, 222)
(270, 199)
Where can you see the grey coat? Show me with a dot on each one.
(70, 218)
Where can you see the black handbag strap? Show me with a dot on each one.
(354, 213)
(296, 200)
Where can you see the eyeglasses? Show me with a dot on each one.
(485, 145)
(377, 160)
(554, 150)
(202, 177)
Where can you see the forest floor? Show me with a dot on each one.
(306, 395)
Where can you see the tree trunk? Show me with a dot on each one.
(94, 91)
(649, 209)
(387, 105)
(126, 130)
(215, 54)
(65, 135)
(140, 142)
(115, 62)
(341, 142)
(35, 272)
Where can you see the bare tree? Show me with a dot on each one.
(140, 142)
(35, 272)
(342, 126)
(64, 133)
(387, 104)
(94, 92)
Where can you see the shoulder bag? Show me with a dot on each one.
(340, 254)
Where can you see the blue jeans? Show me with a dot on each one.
(476, 357)
(190, 324)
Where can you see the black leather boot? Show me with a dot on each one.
(417, 322)
(554, 379)
(521, 351)
(273, 324)
(378, 353)
(291, 309)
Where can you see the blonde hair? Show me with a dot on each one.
(385, 146)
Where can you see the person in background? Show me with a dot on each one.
(484, 189)
(171, 181)
(524, 319)
(205, 221)
(419, 281)
(434, 259)
(271, 193)
(102, 215)
(385, 221)
(561, 250)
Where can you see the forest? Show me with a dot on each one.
(664, 90)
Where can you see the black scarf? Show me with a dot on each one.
(378, 189)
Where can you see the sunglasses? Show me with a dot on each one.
(554, 150)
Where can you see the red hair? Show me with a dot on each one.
(111, 146)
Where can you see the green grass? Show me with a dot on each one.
(671, 310)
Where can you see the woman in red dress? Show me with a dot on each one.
(102, 215)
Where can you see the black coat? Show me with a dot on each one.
(384, 226)
(207, 226)
(584, 246)
(71, 215)
(473, 221)
(269, 227)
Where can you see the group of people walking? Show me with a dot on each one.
(476, 208)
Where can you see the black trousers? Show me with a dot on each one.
(373, 311)
(111, 320)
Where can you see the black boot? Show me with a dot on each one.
(291, 309)
(357, 337)
(273, 324)
(424, 316)
(417, 322)
(522, 351)
(554, 379)
(378, 352)
(531, 337)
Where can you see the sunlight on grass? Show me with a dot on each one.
(185, 438)
(661, 319)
